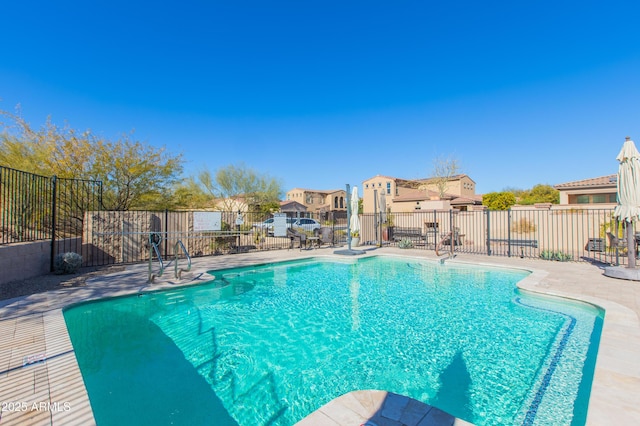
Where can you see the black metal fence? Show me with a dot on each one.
(39, 208)
(112, 237)
(69, 213)
(559, 234)
(25, 206)
(550, 234)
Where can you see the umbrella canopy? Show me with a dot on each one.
(628, 208)
(354, 224)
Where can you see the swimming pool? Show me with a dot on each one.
(270, 344)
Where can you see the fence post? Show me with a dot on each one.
(509, 233)
(54, 219)
(488, 212)
(166, 234)
(452, 232)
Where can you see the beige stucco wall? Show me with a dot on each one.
(565, 194)
(464, 187)
(24, 260)
(377, 185)
(20, 261)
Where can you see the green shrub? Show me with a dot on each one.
(405, 243)
(555, 255)
(67, 263)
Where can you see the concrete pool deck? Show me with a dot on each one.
(41, 384)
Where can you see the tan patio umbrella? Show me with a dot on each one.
(628, 208)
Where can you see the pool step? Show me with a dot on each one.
(169, 277)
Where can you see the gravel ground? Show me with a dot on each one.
(53, 282)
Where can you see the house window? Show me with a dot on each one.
(389, 188)
(596, 198)
(309, 199)
(341, 202)
(335, 202)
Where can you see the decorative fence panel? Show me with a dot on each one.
(561, 234)
(69, 213)
(123, 237)
(39, 208)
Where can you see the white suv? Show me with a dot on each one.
(303, 223)
(306, 224)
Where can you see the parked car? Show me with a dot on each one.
(306, 224)
(303, 223)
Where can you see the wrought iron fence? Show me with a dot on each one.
(69, 213)
(112, 237)
(559, 234)
(25, 209)
(38, 208)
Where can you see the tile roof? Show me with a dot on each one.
(317, 191)
(420, 195)
(608, 181)
(420, 180)
(415, 195)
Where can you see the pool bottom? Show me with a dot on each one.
(272, 345)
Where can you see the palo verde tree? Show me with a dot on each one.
(259, 191)
(133, 174)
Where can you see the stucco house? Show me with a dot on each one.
(232, 204)
(600, 190)
(404, 195)
(319, 201)
(288, 206)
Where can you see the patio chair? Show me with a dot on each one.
(296, 235)
(615, 242)
(325, 234)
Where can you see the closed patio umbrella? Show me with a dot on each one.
(383, 207)
(628, 208)
(355, 220)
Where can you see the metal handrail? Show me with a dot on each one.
(178, 272)
(154, 249)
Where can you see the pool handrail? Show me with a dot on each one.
(178, 272)
(154, 248)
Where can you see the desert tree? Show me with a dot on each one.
(133, 174)
(444, 168)
(237, 181)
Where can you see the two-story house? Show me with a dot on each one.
(404, 195)
(319, 201)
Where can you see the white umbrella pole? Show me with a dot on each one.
(349, 216)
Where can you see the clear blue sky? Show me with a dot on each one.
(323, 93)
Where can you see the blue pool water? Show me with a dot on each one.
(269, 344)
